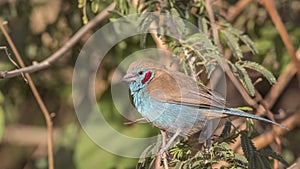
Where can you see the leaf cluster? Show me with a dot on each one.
(198, 53)
(185, 156)
(194, 49)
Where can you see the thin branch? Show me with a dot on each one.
(228, 71)
(274, 93)
(164, 155)
(37, 97)
(213, 24)
(159, 157)
(282, 81)
(259, 107)
(50, 60)
(270, 7)
(235, 10)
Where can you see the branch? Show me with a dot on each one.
(213, 24)
(50, 60)
(164, 155)
(37, 97)
(235, 10)
(275, 92)
(270, 7)
(228, 71)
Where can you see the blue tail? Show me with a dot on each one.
(247, 115)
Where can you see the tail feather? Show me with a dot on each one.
(247, 115)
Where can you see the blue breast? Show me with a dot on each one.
(169, 116)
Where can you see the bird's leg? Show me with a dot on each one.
(167, 146)
(207, 144)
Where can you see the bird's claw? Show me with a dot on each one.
(163, 151)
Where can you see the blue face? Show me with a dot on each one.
(143, 77)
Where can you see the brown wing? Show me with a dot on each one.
(176, 87)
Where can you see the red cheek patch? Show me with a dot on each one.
(147, 77)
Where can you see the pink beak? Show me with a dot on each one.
(129, 77)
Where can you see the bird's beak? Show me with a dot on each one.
(129, 77)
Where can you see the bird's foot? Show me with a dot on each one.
(163, 151)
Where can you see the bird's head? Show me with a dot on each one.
(138, 78)
(140, 73)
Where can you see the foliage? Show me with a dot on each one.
(196, 50)
(184, 156)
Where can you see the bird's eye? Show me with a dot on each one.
(140, 72)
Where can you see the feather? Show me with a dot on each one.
(177, 88)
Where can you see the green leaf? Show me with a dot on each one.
(250, 126)
(207, 54)
(232, 42)
(147, 5)
(265, 72)
(247, 145)
(146, 160)
(85, 19)
(269, 153)
(203, 24)
(177, 25)
(245, 79)
(245, 108)
(248, 149)
(226, 129)
(95, 6)
(263, 162)
(144, 27)
(81, 3)
(249, 43)
(240, 158)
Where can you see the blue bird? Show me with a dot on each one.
(174, 102)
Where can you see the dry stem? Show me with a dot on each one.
(37, 97)
(59, 53)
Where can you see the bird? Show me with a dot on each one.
(174, 102)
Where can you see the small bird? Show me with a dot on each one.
(174, 102)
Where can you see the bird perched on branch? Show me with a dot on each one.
(174, 102)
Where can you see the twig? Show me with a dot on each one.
(282, 81)
(272, 96)
(37, 97)
(270, 7)
(274, 93)
(50, 60)
(228, 71)
(235, 10)
(262, 107)
(213, 24)
(164, 155)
